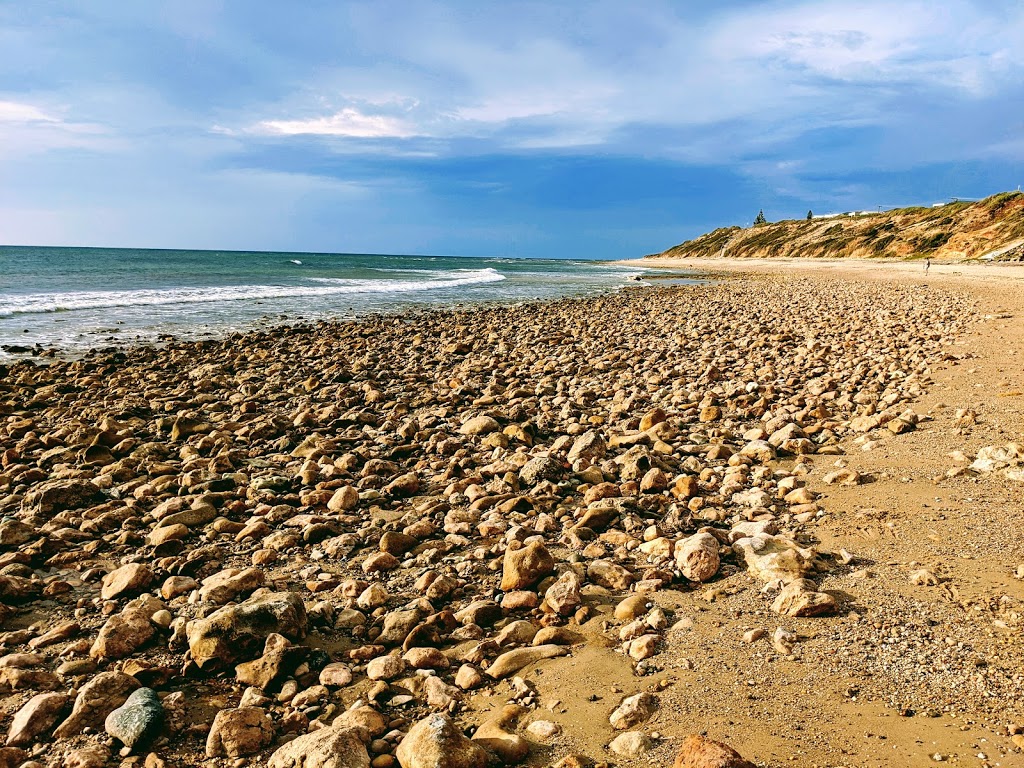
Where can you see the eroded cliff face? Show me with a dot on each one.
(993, 228)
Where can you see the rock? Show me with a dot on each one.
(526, 566)
(336, 675)
(697, 557)
(127, 580)
(177, 585)
(563, 597)
(512, 661)
(480, 425)
(436, 742)
(631, 607)
(91, 756)
(701, 752)
(643, 647)
(386, 668)
(237, 632)
(58, 495)
(801, 598)
(468, 677)
(590, 446)
(343, 499)
(97, 699)
(539, 469)
(498, 735)
(227, 585)
(630, 744)
(138, 720)
(783, 641)
(34, 720)
(239, 732)
(12, 757)
(365, 717)
(922, 577)
(633, 711)
(545, 730)
(126, 632)
(331, 747)
(609, 575)
(773, 557)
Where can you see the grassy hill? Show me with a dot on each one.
(957, 231)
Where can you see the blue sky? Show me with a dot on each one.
(603, 129)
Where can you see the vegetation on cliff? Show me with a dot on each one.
(990, 228)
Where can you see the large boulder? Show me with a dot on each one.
(331, 747)
(239, 632)
(239, 732)
(436, 742)
(526, 566)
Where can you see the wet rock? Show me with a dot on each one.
(138, 720)
(331, 747)
(239, 732)
(436, 742)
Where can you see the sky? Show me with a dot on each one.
(547, 129)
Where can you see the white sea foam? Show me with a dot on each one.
(38, 303)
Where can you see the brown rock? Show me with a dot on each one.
(97, 699)
(239, 732)
(700, 752)
(331, 747)
(237, 632)
(436, 742)
(526, 566)
(127, 580)
(34, 720)
(697, 557)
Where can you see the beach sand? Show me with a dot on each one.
(599, 479)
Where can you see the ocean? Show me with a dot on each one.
(74, 299)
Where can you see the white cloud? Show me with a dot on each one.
(349, 122)
(17, 112)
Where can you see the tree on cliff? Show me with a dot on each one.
(760, 218)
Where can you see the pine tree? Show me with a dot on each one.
(810, 215)
(760, 218)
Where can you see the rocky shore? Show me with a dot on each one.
(587, 531)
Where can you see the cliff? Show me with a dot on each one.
(991, 228)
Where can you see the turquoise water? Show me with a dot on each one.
(79, 298)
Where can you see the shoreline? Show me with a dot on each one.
(385, 470)
(866, 268)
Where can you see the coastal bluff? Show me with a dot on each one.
(989, 229)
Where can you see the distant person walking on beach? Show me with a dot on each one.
(927, 265)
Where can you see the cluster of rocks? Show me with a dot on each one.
(1004, 461)
(313, 545)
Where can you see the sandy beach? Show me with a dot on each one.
(781, 510)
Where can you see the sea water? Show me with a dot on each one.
(74, 299)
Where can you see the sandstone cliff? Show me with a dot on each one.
(990, 228)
